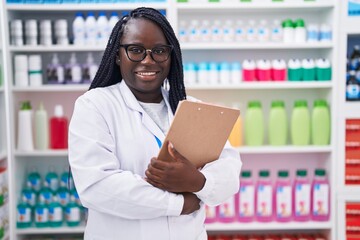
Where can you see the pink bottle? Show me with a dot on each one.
(210, 214)
(320, 197)
(264, 197)
(226, 211)
(283, 197)
(301, 196)
(263, 70)
(278, 70)
(245, 203)
(249, 70)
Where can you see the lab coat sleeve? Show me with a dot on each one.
(101, 184)
(222, 177)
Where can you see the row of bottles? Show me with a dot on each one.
(287, 31)
(353, 75)
(284, 201)
(48, 133)
(304, 128)
(301, 236)
(28, 70)
(50, 202)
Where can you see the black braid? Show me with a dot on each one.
(109, 72)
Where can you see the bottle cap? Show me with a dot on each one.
(213, 66)
(320, 172)
(288, 23)
(264, 173)
(235, 66)
(246, 174)
(254, 104)
(283, 174)
(300, 103)
(299, 23)
(59, 111)
(320, 103)
(79, 14)
(277, 103)
(301, 173)
(41, 106)
(26, 105)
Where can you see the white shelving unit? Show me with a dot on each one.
(288, 157)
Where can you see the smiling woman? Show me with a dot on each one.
(119, 125)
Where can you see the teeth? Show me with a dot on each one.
(146, 73)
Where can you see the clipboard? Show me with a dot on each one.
(199, 131)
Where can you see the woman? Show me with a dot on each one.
(117, 129)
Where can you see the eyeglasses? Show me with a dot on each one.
(137, 53)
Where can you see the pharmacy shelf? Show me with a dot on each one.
(256, 45)
(352, 26)
(57, 48)
(284, 149)
(42, 153)
(352, 109)
(48, 230)
(350, 192)
(270, 6)
(81, 7)
(255, 226)
(53, 88)
(263, 85)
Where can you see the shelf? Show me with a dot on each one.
(352, 109)
(44, 153)
(263, 85)
(54, 88)
(81, 7)
(284, 149)
(270, 6)
(352, 26)
(48, 230)
(252, 46)
(57, 48)
(3, 155)
(268, 226)
(350, 192)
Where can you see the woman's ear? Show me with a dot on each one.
(118, 60)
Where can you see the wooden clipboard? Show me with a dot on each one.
(199, 131)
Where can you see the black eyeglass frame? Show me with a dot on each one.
(126, 46)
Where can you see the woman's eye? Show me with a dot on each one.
(136, 50)
(159, 50)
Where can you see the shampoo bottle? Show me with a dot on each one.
(41, 128)
(58, 129)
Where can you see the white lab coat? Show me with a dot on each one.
(111, 142)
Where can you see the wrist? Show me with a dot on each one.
(199, 182)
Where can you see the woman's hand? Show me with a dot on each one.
(191, 203)
(176, 176)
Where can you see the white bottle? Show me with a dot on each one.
(216, 31)
(21, 70)
(263, 31)
(90, 29)
(25, 135)
(325, 33)
(55, 71)
(235, 73)
(213, 74)
(313, 33)
(41, 129)
(74, 69)
(31, 32)
(251, 34)
(240, 33)
(90, 68)
(190, 73)
(203, 73)
(194, 31)
(16, 32)
(276, 31)
(183, 32)
(288, 31)
(45, 33)
(35, 70)
(61, 32)
(205, 33)
(78, 28)
(102, 25)
(225, 75)
(114, 18)
(300, 31)
(228, 31)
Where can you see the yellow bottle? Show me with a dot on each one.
(235, 137)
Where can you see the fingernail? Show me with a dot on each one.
(171, 145)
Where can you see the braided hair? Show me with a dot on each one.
(109, 72)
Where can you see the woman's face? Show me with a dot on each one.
(144, 78)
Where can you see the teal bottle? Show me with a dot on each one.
(41, 215)
(73, 213)
(278, 124)
(52, 180)
(23, 218)
(63, 195)
(254, 124)
(29, 196)
(66, 180)
(55, 213)
(34, 180)
(300, 124)
(46, 195)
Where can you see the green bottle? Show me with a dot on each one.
(34, 180)
(72, 213)
(320, 123)
(278, 124)
(300, 124)
(41, 215)
(23, 218)
(55, 213)
(52, 180)
(254, 124)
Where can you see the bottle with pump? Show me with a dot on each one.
(320, 207)
(73, 70)
(246, 198)
(283, 197)
(301, 196)
(300, 124)
(58, 129)
(41, 128)
(23, 215)
(25, 133)
(55, 71)
(89, 69)
(264, 197)
(254, 124)
(320, 123)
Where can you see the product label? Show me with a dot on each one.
(210, 212)
(302, 199)
(41, 215)
(73, 214)
(23, 215)
(64, 198)
(246, 201)
(30, 198)
(55, 214)
(283, 201)
(52, 183)
(321, 199)
(34, 183)
(264, 201)
(227, 209)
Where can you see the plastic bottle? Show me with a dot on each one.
(194, 31)
(235, 73)
(225, 74)
(313, 33)
(320, 123)
(228, 31)
(102, 29)
(28, 195)
(58, 129)
(320, 196)
(52, 180)
(288, 31)
(203, 73)
(216, 31)
(325, 33)
(301, 196)
(78, 28)
(41, 128)
(63, 195)
(190, 73)
(249, 73)
(263, 197)
(41, 215)
(16, 32)
(73, 70)
(23, 218)
(213, 73)
(276, 31)
(61, 29)
(211, 212)
(263, 70)
(90, 29)
(46, 195)
(278, 70)
(114, 18)
(278, 124)
(55, 213)
(31, 32)
(89, 69)
(183, 32)
(21, 70)
(66, 179)
(294, 70)
(33, 180)
(300, 31)
(283, 197)
(352, 87)
(72, 213)
(35, 71)
(263, 31)
(45, 33)
(300, 124)
(55, 71)
(251, 33)
(323, 69)
(226, 211)
(205, 32)
(254, 124)
(308, 67)
(25, 133)
(240, 33)
(246, 198)
(235, 137)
